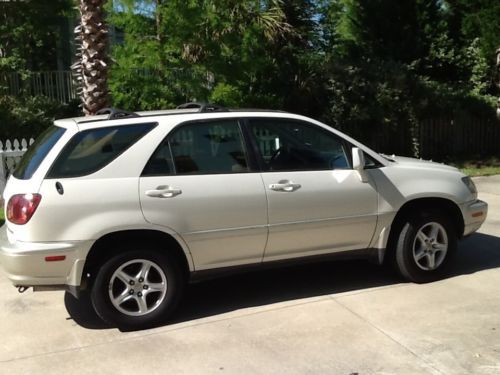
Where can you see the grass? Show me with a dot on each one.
(478, 166)
(481, 171)
(2, 219)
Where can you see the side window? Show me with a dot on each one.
(160, 163)
(287, 145)
(371, 163)
(200, 148)
(90, 150)
(37, 152)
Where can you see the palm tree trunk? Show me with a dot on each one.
(91, 69)
(498, 80)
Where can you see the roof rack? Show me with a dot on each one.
(115, 113)
(203, 107)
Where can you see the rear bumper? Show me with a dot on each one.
(474, 214)
(25, 263)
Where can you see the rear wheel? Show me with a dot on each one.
(425, 245)
(137, 289)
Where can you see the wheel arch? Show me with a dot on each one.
(109, 245)
(420, 205)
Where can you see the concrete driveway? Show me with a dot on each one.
(335, 318)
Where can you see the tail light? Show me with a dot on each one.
(21, 207)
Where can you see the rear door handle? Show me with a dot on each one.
(285, 185)
(163, 191)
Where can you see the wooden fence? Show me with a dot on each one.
(464, 136)
(437, 138)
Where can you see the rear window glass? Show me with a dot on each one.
(37, 152)
(91, 150)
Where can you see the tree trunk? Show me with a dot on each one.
(498, 80)
(91, 69)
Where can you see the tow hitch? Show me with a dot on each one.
(22, 289)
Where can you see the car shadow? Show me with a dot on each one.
(80, 310)
(479, 252)
(259, 288)
(476, 253)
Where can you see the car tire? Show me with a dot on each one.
(137, 289)
(425, 245)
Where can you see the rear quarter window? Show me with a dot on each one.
(90, 150)
(37, 152)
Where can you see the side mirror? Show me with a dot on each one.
(358, 163)
(358, 159)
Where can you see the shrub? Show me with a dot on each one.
(26, 117)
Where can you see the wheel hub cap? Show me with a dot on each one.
(137, 287)
(430, 246)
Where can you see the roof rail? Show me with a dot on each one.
(203, 107)
(115, 113)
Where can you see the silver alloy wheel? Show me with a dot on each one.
(137, 287)
(430, 246)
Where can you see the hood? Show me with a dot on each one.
(419, 163)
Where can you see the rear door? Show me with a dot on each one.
(200, 184)
(316, 203)
(30, 172)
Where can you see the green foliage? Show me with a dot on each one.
(360, 65)
(391, 64)
(30, 31)
(28, 117)
(226, 95)
(389, 29)
(222, 45)
(478, 19)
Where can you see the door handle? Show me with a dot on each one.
(163, 191)
(285, 185)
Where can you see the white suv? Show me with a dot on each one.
(131, 206)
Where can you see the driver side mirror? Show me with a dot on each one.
(358, 159)
(358, 163)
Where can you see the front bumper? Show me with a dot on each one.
(474, 214)
(25, 263)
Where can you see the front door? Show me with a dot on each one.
(316, 203)
(198, 183)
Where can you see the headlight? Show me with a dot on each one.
(470, 184)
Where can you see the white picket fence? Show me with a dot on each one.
(10, 155)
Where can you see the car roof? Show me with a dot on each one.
(117, 117)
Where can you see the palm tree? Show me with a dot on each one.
(91, 69)
(498, 80)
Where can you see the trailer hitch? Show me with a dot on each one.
(22, 289)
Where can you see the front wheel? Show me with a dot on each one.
(137, 289)
(425, 245)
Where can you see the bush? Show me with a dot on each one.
(27, 117)
(382, 103)
(227, 95)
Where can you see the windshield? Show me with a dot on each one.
(37, 152)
